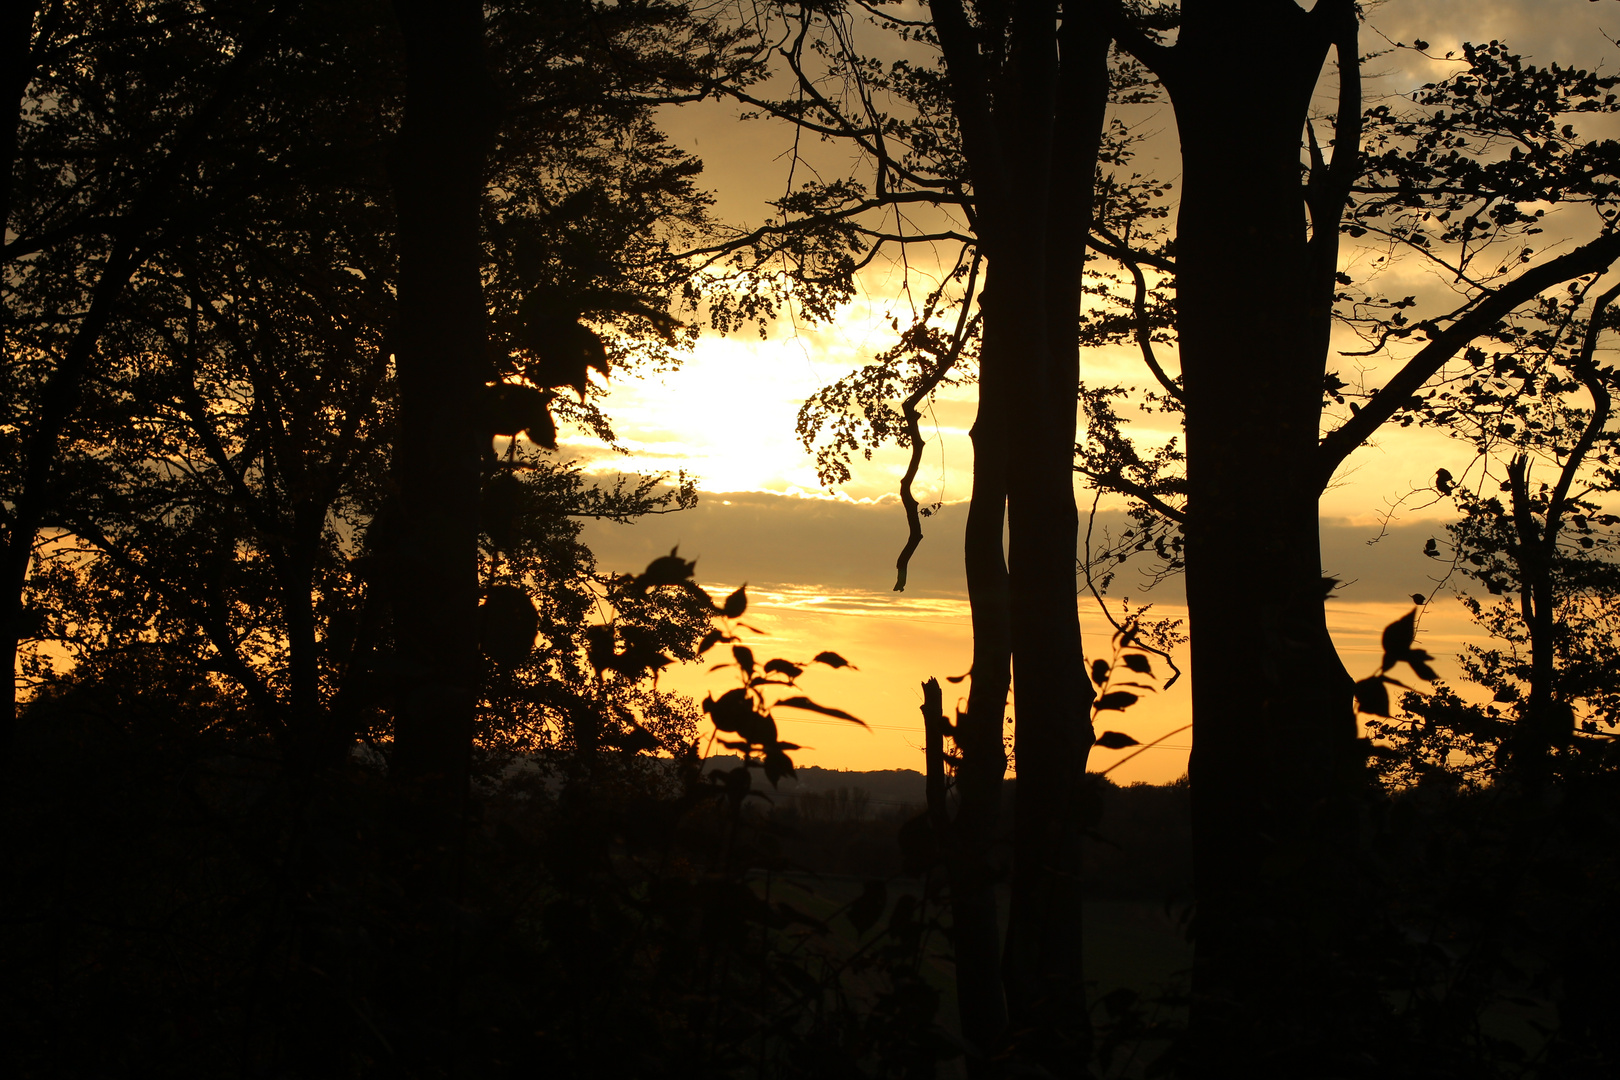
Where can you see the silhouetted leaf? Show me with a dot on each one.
(868, 907)
(637, 740)
(1138, 663)
(1119, 699)
(1099, 671)
(507, 623)
(640, 654)
(777, 765)
(1418, 661)
(832, 660)
(783, 667)
(744, 657)
(1372, 697)
(810, 706)
(599, 646)
(731, 710)
(710, 640)
(563, 351)
(668, 569)
(498, 509)
(1397, 639)
(1115, 740)
(758, 728)
(797, 980)
(736, 603)
(509, 409)
(1419, 599)
(903, 919)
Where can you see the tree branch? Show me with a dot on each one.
(909, 409)
(1591, 258)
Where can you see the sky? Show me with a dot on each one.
(819, 563)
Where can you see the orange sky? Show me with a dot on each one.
(821, 563)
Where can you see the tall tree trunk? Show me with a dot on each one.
(1275, 730)
(442, 363)
(441, 357)
(983, 757)
(1053, 692)
(1031, 145)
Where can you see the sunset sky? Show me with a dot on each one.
(820, 563)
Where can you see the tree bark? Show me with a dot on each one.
(1031, 146)
(1275, 731)
(441, 361)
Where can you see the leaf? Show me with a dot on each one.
(1099, 671)
(1119, 699)
(637, 740)
(868, 907)
(1372, 697)
(1419, 599)
(710, 640)
(1115, 740)
(507, 624)
(562, 349)
(744, 657)
(730, 711)
(809, 706)
(777, 765)
(640, 654)
(1397, 640)
(736, 603)
(1138, 663)
(779, 666)
(599, 646)
(758, 728)
(511, 408)
(498, 509)
(833, 660)
(1418, 661)
(668, 569)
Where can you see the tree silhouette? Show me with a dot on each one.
(1276, 759)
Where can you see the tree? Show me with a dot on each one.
(996, 130)
(1546, 553)
(108, 170)
(1266, 754)
(1276, 764)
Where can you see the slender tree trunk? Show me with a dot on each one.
(441, 360)
(442, 363)
(1053, 692)
(1031, 127)
(1275, 731)
(983, 762)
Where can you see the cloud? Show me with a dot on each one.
(819, 546)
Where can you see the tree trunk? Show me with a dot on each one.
(441, 357)
(1275, 730)
(1053, 692)
(983, 757)
(441, 360)
(1031, 146)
